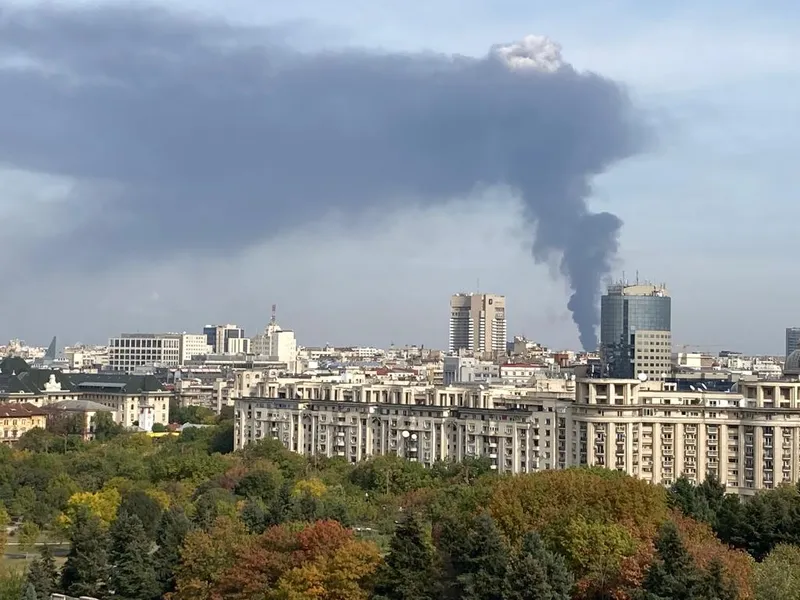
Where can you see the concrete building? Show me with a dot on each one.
(278, 345)
(219, 336)
(131, 350)
(467, 369)
(748, 439)
(478, 323)
(636, 331)
(193, 344)
(792, 339)
(422, 423)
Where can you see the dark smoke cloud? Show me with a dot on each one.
(209, 137)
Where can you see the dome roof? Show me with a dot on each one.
(792, 365)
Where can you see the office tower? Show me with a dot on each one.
(219, 336)
(478, 322)
(635, 331)
(792, 339)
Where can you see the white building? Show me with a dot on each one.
(131, 350)
(193, 344)
(279, 345)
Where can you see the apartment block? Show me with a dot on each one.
(747, 437)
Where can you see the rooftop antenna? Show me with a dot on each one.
(637, 276)
(274, 311)
(623, 278)
(478, 289)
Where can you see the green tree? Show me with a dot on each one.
(86, 570)
(28, 536)
(408, 572)
(535, 573)
(144, 506)
(478, 557)
(172, 530)
(673, 575)
(4, 522)
(43, 574)
(715, 586)
(777, 577)
(105, 427)
(30, 593)
(12, 583)
(133, 572)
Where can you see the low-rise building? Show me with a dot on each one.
(18, 417)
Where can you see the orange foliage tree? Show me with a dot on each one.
(320, 561)
(705, 548)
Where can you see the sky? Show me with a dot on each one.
(117, 219)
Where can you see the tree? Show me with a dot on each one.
(673, 575)
(103, 505)
(715, 586)
(30, 593)
(28, 536)
(43, 575)
(777, 577)
(172, 530)
(133, 573)
(4, 522)
(535, 573)
(86, 570)
(478, 557)
(105, 427)
(144, 506)
(408, 572)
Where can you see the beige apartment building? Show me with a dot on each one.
(519, 433)
(749, 438)
(478, 323)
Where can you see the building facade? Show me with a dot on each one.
(792, 339)
(748, 437)
(219, 336)
(478, 323)
(130, 351)
(17, 418)
(193, 344)
(636, 331)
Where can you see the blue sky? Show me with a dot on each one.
(710, 209)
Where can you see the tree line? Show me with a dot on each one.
(184, 517)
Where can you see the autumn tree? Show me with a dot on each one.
(28, 535)
(132, 570)
(408, 571)
(86, 570)
(205, 557)
(535, 573)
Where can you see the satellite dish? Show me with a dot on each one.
(413, 436)
(642, 377)
(405, 434)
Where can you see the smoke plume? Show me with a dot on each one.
(184, 135)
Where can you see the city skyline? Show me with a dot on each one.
(717, 86)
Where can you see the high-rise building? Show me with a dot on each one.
(478, 322)
(636, 331)
(792, 339)
(219, 336)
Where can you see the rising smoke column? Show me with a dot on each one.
(202, 136)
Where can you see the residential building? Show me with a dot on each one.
(468, 369)
(132, 350)
(17, 418)
(792, 339)
(419, 422)
(636, 331)
(478, 323)
(219, 337)
(86, 410)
